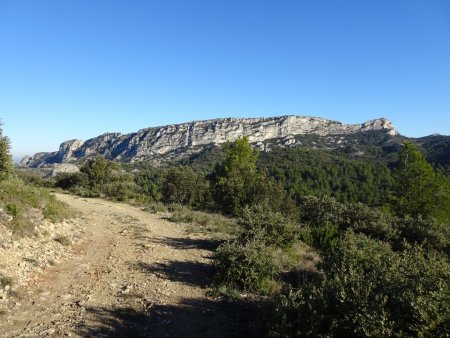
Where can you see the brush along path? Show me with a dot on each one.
(132, 275)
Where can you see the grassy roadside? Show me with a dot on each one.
(22, 206)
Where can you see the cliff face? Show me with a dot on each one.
(177, 141)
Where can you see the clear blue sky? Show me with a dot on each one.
(76, 69)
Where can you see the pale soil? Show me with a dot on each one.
(132, 274)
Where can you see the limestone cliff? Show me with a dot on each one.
(180, 140)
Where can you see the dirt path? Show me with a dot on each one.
(133, 275)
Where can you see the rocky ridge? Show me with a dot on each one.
(181, 140)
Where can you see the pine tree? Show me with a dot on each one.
(6, 165)
(419, 189)
(233, 178)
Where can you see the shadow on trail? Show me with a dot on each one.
(190, 318)
(189, 273)
(111, 322)
(188, 243)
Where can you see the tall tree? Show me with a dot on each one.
(420, 190)
(233, 178)
(98, 171)
(6, 165)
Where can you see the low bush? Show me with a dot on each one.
(35, 178)
(203, 221)
(55, 210)
(259, 221)
(155, 207)
(244, 266)
(370, 290)
(324, 238)
(24, 203)
(427, 232)
(69, 181)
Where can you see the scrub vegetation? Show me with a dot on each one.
(327, 244)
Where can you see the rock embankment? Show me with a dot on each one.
(23, 259)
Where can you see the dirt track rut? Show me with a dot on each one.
(132, 275)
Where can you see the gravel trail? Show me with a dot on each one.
(132, 275)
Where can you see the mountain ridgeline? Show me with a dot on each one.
(175, 142)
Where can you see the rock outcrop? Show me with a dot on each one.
(177, 141)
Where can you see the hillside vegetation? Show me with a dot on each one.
(21, 204)
(327, 244)
(30, 237)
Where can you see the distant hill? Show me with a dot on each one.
(375, 139)
(174, 142)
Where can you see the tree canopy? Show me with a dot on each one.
(420, 190)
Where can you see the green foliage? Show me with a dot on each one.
(56, 210)
(427, 232)
(233, 179)
(122, 190)
(273, 228)
(370, 290)
(24, 203)
(236, 182)
(419, 189)
(98, 171)
(155, 207)
(324, 237)
(6, 165)
(243, 266)
(247, 263)
(184, 186)
(69, 181)
(324, 218)
(12, 209)
(312, 172)
(203, 222)
(99, 177)
(34, 177)
(149, 181)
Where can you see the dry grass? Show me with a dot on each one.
(27, 204)
(203, 222)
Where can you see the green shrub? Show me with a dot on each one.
(24, 202)
(317, 211)
(21, 225)
(370, 290)
(69, 181)
(203, 221)
(55, 210)
(121, 191)
(259, 221)
(12, 209)
(155, 207)
(182, 185)
(323, 237)
(85, 192)
(243, 266)
(149, 180)
(323, 219)
(424, 231)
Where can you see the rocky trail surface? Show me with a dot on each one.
(132, 275)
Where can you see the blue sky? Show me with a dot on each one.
(77, 69)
